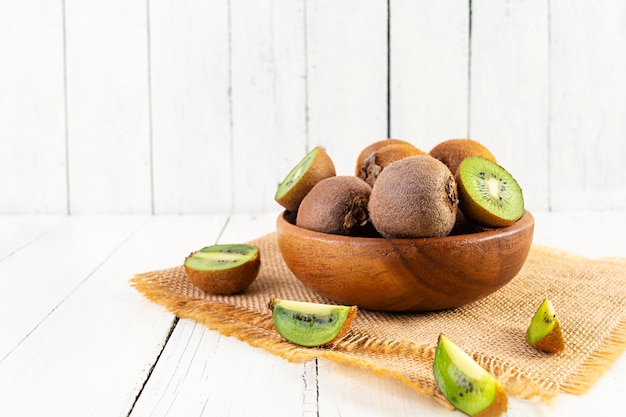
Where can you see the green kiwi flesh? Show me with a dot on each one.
(544, 331)
(488, 193)
(464, 383)
(312, 168)
(310, 324)
(220, 257)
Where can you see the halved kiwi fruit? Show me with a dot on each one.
(544, 331)
(465, 384)
(223, 269)
(312, 168)
(488, 193)
(311, 324)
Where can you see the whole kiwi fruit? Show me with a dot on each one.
(336, 205)
(367, 151)
(414, 197)
(383, 157)
(453, 151)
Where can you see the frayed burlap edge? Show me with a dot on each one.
(598, 363)
(257, 330)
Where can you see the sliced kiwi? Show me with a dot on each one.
(311, 324)
(544, 331)
(314, 167)
(223, 269)
(488, 193)
(465, 384)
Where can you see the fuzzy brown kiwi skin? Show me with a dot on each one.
(553, 342)
(453, 151)
(322, 167)
(336, 205)
(367, 151)
(414, 197)
(227, 281)
(383, 157)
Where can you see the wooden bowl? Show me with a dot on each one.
(405, 275)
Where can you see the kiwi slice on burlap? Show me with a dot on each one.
(465, 384)
(544, 331)
(314, 167)
(223, 269)
(488, 193)
(311, 324)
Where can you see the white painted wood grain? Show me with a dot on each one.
(93, 352)
(18, 231)
(429, 70)
(587, 105)
(509, 90)
(348, 390)
(191, 135)
(42, 275)
(268, 98)
(32, 116)
(346, 77)
(196, 107)
(108, 106)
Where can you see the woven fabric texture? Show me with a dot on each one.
(588, 294)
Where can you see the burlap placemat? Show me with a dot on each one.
(589, 295)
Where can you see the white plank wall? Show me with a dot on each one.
(32, 108)
(429, 79)
(347, 77)
(191, 107)
(108, 106)
(588, 104)
(189, 78)
(268, 98)
(509, 89)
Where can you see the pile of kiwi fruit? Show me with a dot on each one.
(400, 191)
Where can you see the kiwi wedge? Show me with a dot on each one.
(488, 193)
(544, 331)
(312, 168)
(311, 324)
(465, 384)
(223, 269)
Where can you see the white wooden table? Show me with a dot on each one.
(77, 340)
